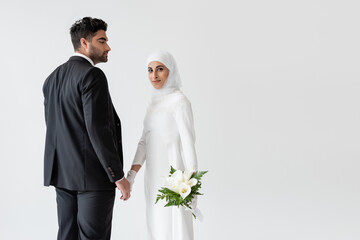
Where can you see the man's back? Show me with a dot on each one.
(70, 159)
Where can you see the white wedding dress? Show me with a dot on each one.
(168, 139)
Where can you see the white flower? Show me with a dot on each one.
(178, 175)
(187, 178)
(181, 182)
(187, 174)
(173, 184)
(192, 182)
(184, 190)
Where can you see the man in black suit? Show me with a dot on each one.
(83, 150)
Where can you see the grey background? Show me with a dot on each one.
(275, 92)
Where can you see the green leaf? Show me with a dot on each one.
(172, 170)
(198, 174)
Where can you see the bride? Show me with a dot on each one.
(168, 139)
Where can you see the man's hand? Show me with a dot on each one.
(124, 186)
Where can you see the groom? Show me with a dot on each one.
(83, 150)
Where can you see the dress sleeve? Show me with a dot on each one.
(185, 123)
(140, 154)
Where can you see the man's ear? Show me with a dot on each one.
(84, 43)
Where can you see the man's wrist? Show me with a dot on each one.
(120, 179)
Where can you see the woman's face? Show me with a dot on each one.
(158, 74)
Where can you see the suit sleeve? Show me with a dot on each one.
(185, 123)
(99, 121)
(140, 154)
(45, 101)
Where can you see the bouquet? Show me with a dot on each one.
(181, 187)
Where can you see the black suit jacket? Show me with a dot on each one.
(83, 149)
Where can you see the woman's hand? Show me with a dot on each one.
(131, 177)
(193, 203)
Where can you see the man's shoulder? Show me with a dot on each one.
(74, 66)
(70, 63)
(78, 62)
(78, 66)
(96, 72)
(53, 74)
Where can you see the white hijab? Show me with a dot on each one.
(173, 82)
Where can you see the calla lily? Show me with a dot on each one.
(192, 182)
(178, 178)
(178, 175)
(187, 175)
(173, 184)
(187, 178)
(184, 190)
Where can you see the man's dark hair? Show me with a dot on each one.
(85, 28)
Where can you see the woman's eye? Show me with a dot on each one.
(149, 70)
(160, 69)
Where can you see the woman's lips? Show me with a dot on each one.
(156, 81)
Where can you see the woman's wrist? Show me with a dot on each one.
(135, 167)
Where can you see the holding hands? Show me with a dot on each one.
(124, 186)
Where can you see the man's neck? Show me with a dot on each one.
(81, 54)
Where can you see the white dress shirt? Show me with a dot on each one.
(84, 56)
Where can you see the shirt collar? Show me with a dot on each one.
(86, 57)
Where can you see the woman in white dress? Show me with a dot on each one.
(168, 139)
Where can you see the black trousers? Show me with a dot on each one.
(84, 215)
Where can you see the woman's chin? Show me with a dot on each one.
(157, 87)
